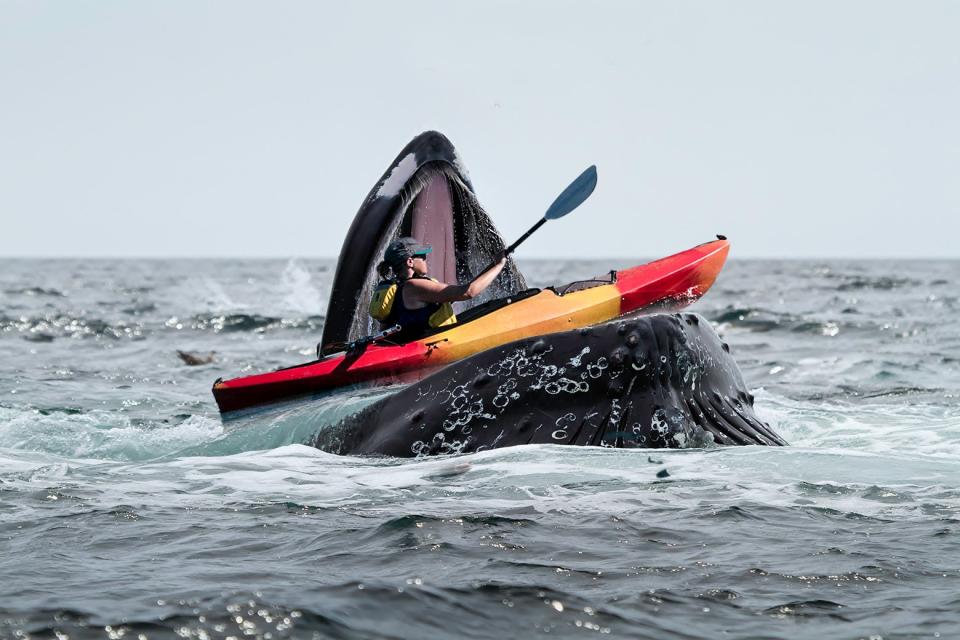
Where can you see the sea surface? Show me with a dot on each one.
(128, 510)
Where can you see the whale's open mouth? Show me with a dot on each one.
(426, 195)
(439, 209)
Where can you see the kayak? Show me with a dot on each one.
(667, 284)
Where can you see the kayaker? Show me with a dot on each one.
(409, 297)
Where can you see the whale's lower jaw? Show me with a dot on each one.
(659, 381)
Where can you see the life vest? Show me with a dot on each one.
(384, 307)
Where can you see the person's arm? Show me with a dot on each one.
(439, 292)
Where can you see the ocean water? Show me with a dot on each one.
(128, 510)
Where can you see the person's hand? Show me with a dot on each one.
(501, 258)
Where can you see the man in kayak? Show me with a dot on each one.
(408, 297)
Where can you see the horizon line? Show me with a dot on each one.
(529, 258)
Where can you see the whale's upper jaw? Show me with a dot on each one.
(425, 192)
(428, 147)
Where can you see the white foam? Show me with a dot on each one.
(99, 434)
(899, 430)
(400, 175)
(541, 478)
(883, 460)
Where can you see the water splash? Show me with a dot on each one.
(302, 295)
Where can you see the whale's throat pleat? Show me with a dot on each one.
(431, 221)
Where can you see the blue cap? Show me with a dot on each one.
(403, 248)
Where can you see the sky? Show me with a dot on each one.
(191, 128)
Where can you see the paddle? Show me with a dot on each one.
(571, 198)
(356, 344)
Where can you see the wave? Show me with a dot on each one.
(36, 291)
(881, 283)
(239, 322)
(760, 320)
(50, 326)
(474, 604)
(352, 609)
(47, 327)
(845, 321)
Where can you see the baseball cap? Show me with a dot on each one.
(403, 248)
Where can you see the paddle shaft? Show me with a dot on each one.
(529, 233)
(512, 247)
(571, 198)
(350, 346)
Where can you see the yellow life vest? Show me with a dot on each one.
(382, 301)
(381, 304)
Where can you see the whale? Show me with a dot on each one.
(652, 381)
(426, 193)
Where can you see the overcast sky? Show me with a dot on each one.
(197, 128)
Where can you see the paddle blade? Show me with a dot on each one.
(574, 195)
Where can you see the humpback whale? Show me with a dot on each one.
(425, 193)
(656, 381)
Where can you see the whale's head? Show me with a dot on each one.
(425, 193)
